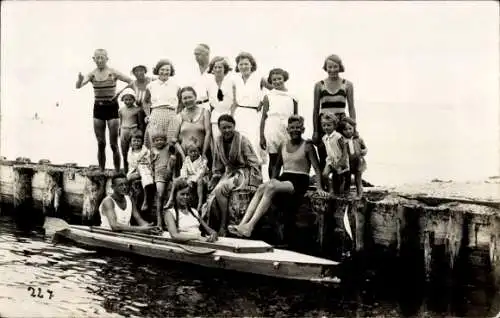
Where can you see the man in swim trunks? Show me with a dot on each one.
(104, 79)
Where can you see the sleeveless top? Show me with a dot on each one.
(333, 103)
(248, 93)
(186, 222)
(122, 216)
(104, 90)
(297, 161)
(194, 129)
(140, 93)
(280, 104)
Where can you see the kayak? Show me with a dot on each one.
(263, 260)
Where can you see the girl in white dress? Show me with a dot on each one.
(220, 92)
(278, 106)
(248, 99)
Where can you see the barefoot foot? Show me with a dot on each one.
(244, 230)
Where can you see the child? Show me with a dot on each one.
(355, 150)
(131, 118)
(163, 163)
(336, 159)
(278, 105)
(140, 167)
(194, 169)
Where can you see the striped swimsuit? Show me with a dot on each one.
(104, 107)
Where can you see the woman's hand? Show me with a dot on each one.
(146, 119)
(213, 237)
(263, 143)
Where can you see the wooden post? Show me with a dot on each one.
(93, 193)
(52, 190)
(22, 192)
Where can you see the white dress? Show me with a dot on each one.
(249, 95)
(122, 215)
(223, 106)
(280, 109)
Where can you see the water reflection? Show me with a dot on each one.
(93, 283)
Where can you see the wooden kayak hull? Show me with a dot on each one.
(278, 263)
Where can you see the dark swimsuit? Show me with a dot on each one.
(104, 107)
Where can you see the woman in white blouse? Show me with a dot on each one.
(249, 91)
(220, 92)
(161, 102)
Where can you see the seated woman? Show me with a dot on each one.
(117, 209)
(296, 156)
(183, 222)
(235, 166)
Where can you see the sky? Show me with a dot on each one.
(425, 74)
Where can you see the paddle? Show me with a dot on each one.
(54, 225)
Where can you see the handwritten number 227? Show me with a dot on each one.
(39, 294)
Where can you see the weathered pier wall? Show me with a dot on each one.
(443, 223)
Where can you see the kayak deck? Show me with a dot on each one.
(278, 263)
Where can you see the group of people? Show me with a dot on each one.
(212, 138)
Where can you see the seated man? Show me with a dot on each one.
(296, 155)
(117, 209)
(235, 166)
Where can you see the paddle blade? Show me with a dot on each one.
(53, 225)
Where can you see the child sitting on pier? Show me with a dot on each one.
(163, 164)
(336, 162)
(131, 118)
(355, 151)
(194, 170)
(139, 160)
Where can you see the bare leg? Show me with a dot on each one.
(148, 197)
(273, 158)
(199, 190)
(170, 201)
(160, 197)
(264, 204)
(252, 206)
(124, 145)
(100, 135)
(113, 126)
(359, 183)
(222, 204)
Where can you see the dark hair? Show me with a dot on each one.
(178, 184)
(216, 59)
(117, 176)
(139, 66)
(246, 55)
(161, 63)
(277, 71)
(137, 134)
(343, 122)
(187, 89)
(335, 58)
(296, 119)
(226, 117)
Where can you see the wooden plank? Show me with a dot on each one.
(233, 245)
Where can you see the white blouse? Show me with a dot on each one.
(249, 93)
(163, 93)
(224, 106)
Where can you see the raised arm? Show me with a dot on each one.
(295, 107)
(316, 123)
(208, 132)
(313, 158)
(83, 80)
(350, 100)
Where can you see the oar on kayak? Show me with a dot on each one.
(54, 225)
